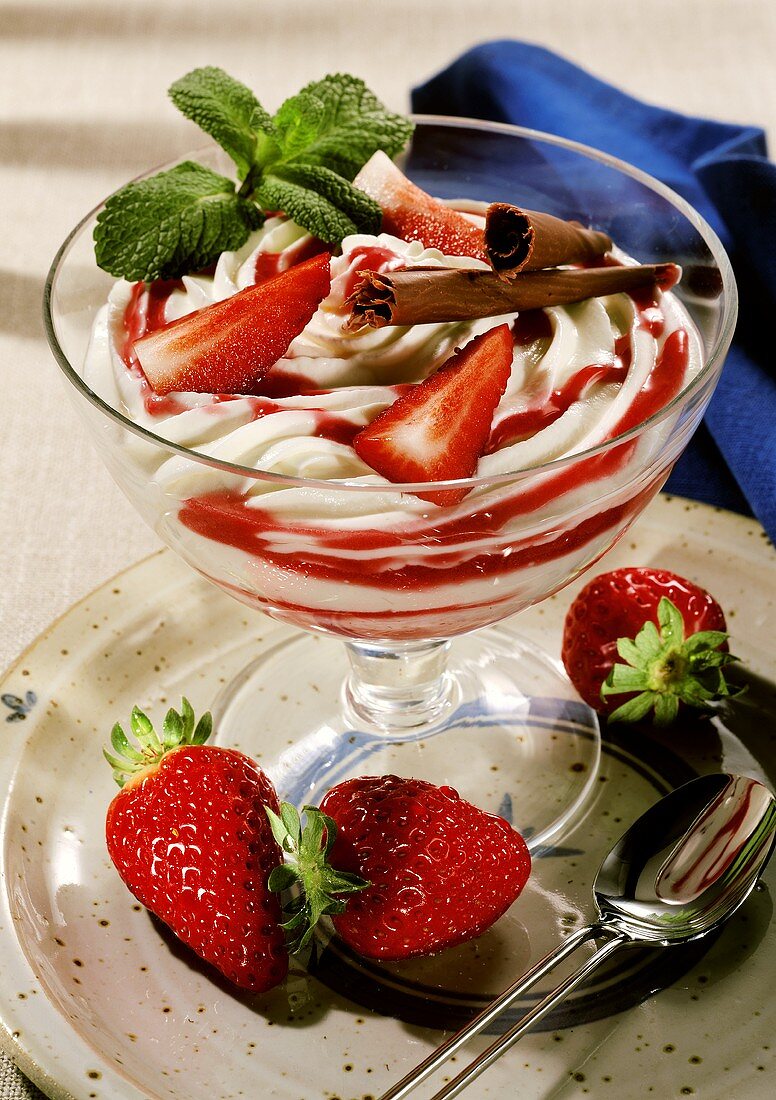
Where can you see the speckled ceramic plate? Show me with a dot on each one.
(98, 1002)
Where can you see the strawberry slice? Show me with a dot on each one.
(439, 428)
(229, 346)
(409, 213)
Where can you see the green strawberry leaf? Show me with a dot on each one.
(175, 222)
(338, 123)
(666, 668)
(187, 718)
(666, 709)
(203, 730)
(705, 639)
(671, 622)
(321, 884)
(289, 815)
(648, 640)
(178, 729)
(120, 743)
(282, 877)
(631, 653)
(624, 678)
(634, 709)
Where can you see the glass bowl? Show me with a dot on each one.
(402, 582)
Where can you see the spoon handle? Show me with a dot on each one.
(452, 1045)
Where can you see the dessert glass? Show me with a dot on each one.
(412, 690)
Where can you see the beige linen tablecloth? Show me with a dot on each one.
(83, 108)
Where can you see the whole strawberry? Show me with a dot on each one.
(189, 835)
(440, 871)
(668, 634)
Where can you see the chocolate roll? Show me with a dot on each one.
(425, 295)
(527, 240)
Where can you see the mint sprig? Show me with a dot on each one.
(666, 669)
(301, 161)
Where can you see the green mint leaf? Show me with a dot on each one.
(225, 109)
(339, 123)
(171, 224)
(319, 200)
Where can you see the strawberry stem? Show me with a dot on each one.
(665, 668)
(316, 884)
(128, 760)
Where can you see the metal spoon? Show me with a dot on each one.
(680, 870)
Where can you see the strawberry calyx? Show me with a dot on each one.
(667, 668)
(129, 760)
(316, 884)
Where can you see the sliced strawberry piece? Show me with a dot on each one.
(438, 429)
(409, 213)
(229, 346)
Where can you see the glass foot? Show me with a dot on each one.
(514, 738)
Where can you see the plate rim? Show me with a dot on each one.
(737, 528)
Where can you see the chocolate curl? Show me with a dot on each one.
(425, 295)
(527, 240)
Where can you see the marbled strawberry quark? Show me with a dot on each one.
(373, 562)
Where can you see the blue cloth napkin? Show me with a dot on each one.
(723, 171)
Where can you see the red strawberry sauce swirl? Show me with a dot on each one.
(145, 312)
(473, 547)
(378, 558)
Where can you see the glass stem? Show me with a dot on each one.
(399, 687)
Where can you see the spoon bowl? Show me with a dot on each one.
(689, 862)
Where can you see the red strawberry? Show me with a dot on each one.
(441, 871)
(229, 346)
(678, 651)
(409, 213)
(189, 835)
(439, 428)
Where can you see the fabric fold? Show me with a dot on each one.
(723, 170)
